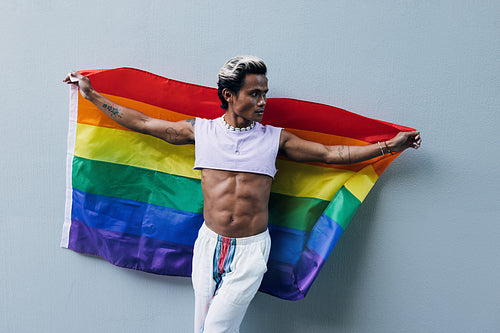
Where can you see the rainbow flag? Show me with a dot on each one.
(135, 200)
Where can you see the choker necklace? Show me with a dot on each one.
(238, 129)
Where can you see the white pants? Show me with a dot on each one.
(227, 273)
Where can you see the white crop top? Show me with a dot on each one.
(217, 147)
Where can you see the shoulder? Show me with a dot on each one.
(202, 122)
(270, 128)
(289, 140)
(285, 136)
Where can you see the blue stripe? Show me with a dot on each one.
(230, 255)
(168, 224)
(287, 244)
(324, 236)
(136, 218)
(216, 274)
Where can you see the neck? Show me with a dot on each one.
(236, 122)
(248, 125)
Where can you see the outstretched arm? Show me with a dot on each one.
(301, 150)
(181, 132)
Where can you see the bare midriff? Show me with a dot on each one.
(235, 203)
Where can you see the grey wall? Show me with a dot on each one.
(421, 255)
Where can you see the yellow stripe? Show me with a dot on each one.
(305, 180)
(118, 146)
(362, 182)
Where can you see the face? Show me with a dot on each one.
(251, 100)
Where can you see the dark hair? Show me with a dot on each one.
(232, 75)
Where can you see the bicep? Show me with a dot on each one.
(300, 150)
(177, 133)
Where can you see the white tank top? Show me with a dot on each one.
(217, 147)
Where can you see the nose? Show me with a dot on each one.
(262, 100)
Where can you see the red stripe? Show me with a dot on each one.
(199, 101)
(186, 98)
(327, 119)
(226, 241)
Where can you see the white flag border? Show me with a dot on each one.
(73, 119)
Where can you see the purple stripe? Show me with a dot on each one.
(292, 282)
(279, 281)
(307, 268)
(132, 251)
(161, 257)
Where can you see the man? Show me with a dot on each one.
(236, 155)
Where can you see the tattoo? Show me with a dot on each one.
(341, 151)
(113, 111)
(172, 135)
(191, 121)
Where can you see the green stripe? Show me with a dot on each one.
(144, 185)
(343, 207)
(295, 212)
(177, 192)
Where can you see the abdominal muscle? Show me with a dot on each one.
(235, 203)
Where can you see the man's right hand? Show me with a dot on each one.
(82, 82)
(174, 132)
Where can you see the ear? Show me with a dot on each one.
(228, 95)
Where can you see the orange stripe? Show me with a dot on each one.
(326, 139)
(89, 114)
(383, 163)
(379, 163)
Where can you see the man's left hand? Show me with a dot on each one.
(404, 140)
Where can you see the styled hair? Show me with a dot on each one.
(232, 75)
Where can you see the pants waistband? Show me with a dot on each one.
(207, 232)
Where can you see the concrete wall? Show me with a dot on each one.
(421, 255)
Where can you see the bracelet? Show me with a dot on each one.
(388, 149)
(381, 148)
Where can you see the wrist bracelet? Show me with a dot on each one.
(388, 149)
(381, 148)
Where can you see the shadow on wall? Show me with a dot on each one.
(331, 301)
(328, 302)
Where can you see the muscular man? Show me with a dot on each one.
(236, 155)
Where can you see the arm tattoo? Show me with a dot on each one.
(112, 111)
(191, 121)
(341, 153)
(171, 135)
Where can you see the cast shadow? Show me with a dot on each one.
(334, 294)
(335, 285)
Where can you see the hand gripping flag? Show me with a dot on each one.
(135, 200)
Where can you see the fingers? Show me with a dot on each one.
(409, 139)
(414, 139)
(77, 75)
(73, 77)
